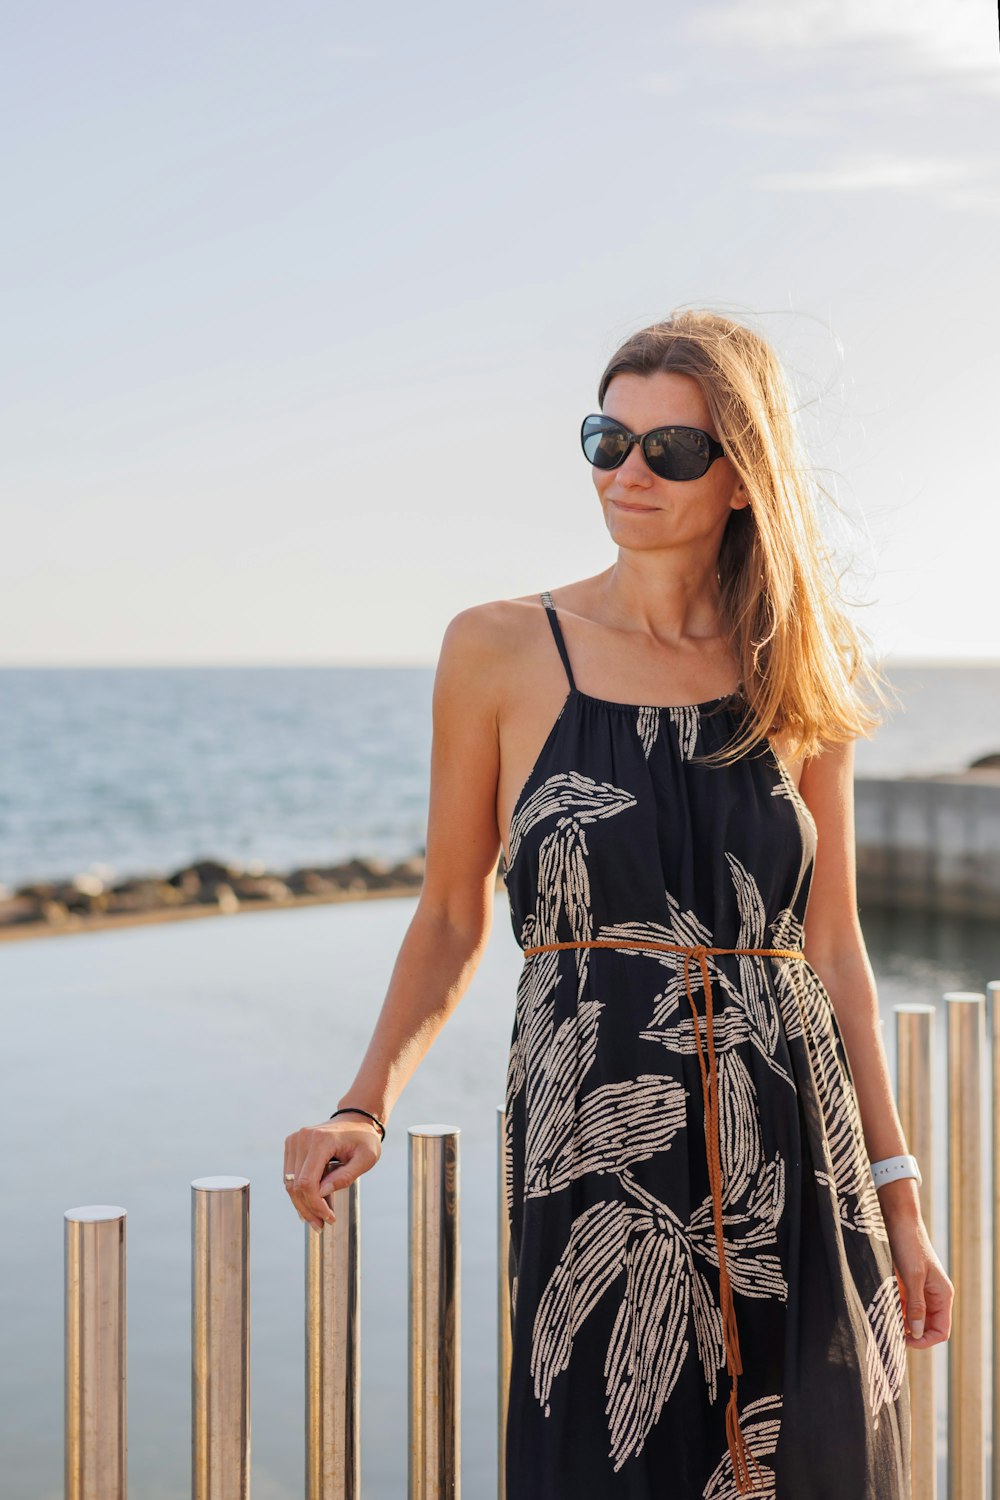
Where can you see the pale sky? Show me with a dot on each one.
(305, 303)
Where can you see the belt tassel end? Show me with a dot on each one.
(738, 1450)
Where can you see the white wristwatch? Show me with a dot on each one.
(891, 1167)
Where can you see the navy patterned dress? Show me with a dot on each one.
(619, 1381)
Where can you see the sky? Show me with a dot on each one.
(304, 304)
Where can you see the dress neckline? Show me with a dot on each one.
(635, 708)
(662, 708)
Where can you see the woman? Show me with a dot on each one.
(711, 1294)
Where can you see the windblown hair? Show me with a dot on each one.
(804, 673)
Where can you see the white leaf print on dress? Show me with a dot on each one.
(648, 1344)
(647, 727)
(663, 1291)
(808, 834)
(653, 1315)
(761, 1424)
(750, 1014)
(592, 1260)
(740, 1146)
(563, 883)
(753, 987)
(787, 931)
(567, 793)
(570, 1135)
(858, 1204)
(747, 1234)
(886, 1354)
(805, 1011)
(536, 985)
(686, 719)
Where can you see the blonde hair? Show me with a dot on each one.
(804, 672)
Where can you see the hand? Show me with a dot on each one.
(308, 1152)
(926, 1291)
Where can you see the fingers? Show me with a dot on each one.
(289, 1171)
(324, 1161)
(297, 1154)
(927, 1307)
(938, 1298)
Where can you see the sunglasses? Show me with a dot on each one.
(677, 453)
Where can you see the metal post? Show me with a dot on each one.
(220, 1338)
(914, 1037)
(503, 1305)
(966, 1433)
(434, 1284)
(94, 1416)
(333, 1362)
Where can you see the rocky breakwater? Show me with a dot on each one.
(203, 888)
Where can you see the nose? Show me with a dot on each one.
(634, 472)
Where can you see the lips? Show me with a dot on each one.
(643, 510)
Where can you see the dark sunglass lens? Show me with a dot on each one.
(677, 453)
(604, 443)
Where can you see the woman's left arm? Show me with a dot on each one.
(835, 947)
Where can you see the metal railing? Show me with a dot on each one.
(95, 1306)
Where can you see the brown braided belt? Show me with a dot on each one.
(738, 1449)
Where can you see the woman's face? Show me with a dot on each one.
(643, 511)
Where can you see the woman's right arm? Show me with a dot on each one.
(450, 927)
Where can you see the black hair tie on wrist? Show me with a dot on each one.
(350, 1109)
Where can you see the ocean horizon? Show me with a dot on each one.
(125, 770)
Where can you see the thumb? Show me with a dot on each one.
(916, 1306)
(341, 1171)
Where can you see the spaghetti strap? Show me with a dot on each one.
(550, 609)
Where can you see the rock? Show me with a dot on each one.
(66, 893)
(185, 882)
(16, 909)
(146, 893)
(41, 890)
(260, 888)
(367, 874)
(205, 871)
(226, 897)
(56, 913)
(311, 883)
(352, 875)
(988, 762)
(205, 882)
(218, 893)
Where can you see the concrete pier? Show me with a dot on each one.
(930, 843)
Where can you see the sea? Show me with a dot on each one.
(138, 770)
(135, 1061)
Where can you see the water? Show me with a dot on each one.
(136, 1060)
(145, 769)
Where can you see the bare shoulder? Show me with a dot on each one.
(480, 647)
